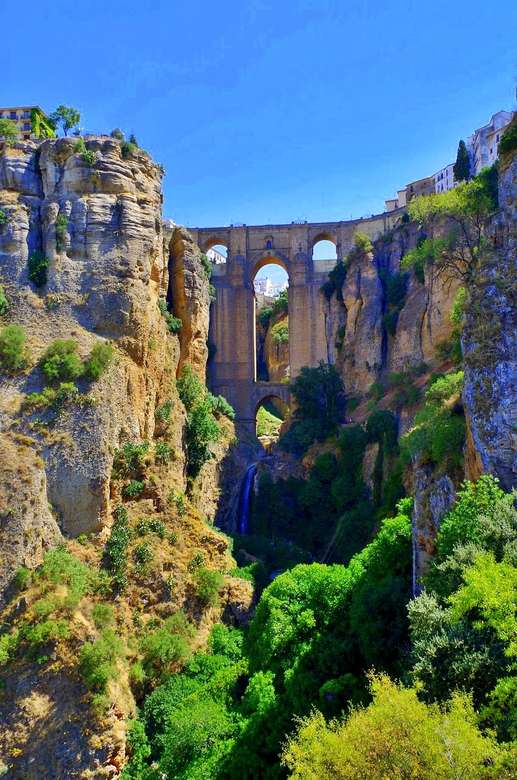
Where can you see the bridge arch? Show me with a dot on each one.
(270, 258)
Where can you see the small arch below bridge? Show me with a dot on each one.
(270, 414)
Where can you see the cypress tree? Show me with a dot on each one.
(462, 165)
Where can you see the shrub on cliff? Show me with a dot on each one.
(174, 324)
(13, 348)
(38, 268)
(61, 361)
(8, 131)
(99, 360)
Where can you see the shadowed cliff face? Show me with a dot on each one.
(98, 221)
(490, 347)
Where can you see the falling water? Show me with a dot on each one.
(243, 514)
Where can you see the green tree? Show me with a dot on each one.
(61, 361)
(461, 168)
(396, 736)
(66, 116)
(8, 131)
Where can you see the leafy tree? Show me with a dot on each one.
(8, 131)
(38, 268)
(461, 168)
(66, 117)
(395, 736)
(320, 398)
(457, 224)
(118, 134)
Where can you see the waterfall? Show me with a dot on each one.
(243, 511)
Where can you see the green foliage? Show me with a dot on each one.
(88, 155)
(458, 307)
(264, 316)
(475, 505)
(13, 349)
(461, 168)
(281, 304)
(8, 131)
(320, 398)
(143, 556)
(61, 361)
(207, 265)
(118, 134)
(46, 631)
(395, 288)
(103, 615)
(268, 424)
(61, 227)
(22, 579)
(115, 556)
(280, 333)
(128, 149)
(4, 302)
(167, 647)
(133, 489)
(465, 211)
(174, 324)
(98, 660)
(508, 142)
(153, 525)
(99, 360)
(208, 584)
(163, 452)
(395, 736)
(362, 246)
(220, 405)
(438, 432)
(4, 219)
(190, 388)
(8, 646)
(38, 268)
(202, 428)
(66, 116)
(163, 412)
(130, 459)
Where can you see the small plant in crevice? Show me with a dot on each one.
(88, 156)
(163, 412)
(133, 489)
(4, 219)
(163, 453)
(116, 550)
(207, 585)
(178, 500)
(174, 324)
(38, 266)
(143, 555)
(130, 459)
(61, 227)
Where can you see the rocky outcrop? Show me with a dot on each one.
(490, 346)
(276, 350)
(96, 216)
(189, 297)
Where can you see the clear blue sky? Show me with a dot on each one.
(267, 111)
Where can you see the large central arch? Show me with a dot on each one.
(231, 370)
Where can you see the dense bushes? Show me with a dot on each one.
(320, 403)
(13, 349)
(61, 361)
(280, 333)
(438, 432)
(202, 427)
(99, 360)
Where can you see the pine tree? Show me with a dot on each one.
(462, 165)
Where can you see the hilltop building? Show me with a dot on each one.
(215, 257)
(482, 146)
(31, 121)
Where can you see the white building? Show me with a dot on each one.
(483, 144)
(265, 286)
(216, 257)
(444, 179)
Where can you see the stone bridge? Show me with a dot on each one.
(232, 368)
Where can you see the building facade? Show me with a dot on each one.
(31, 121)
(444, 179)
(483, 144)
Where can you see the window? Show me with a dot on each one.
(26, 126)
(12, 115)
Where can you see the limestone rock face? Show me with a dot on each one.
(189, 296)
(362, 342)
(97, 219)
(490, 347)
(434, 495)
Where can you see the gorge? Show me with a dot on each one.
(175, 604)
